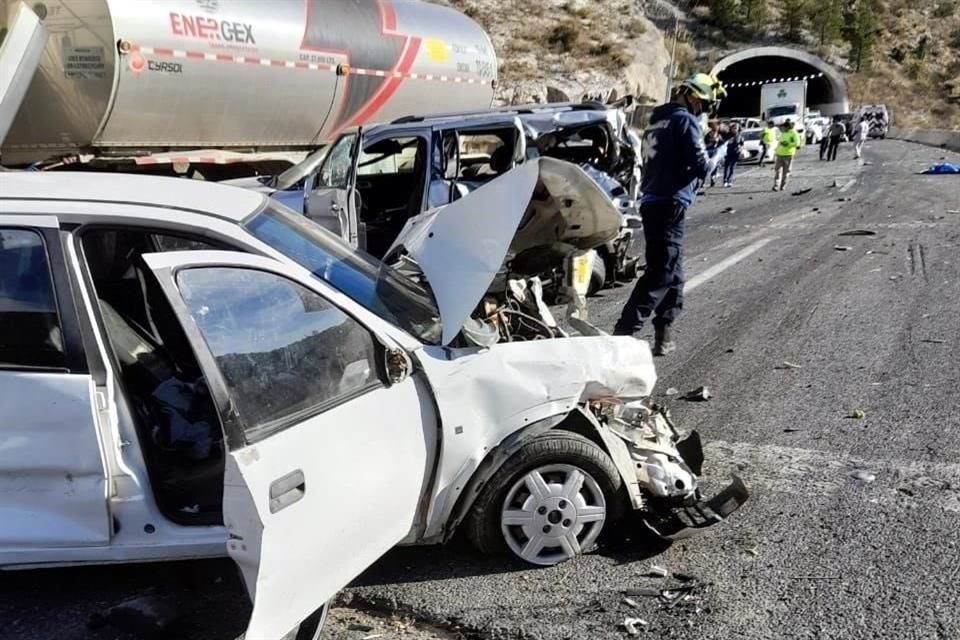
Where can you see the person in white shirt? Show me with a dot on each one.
(860, 135)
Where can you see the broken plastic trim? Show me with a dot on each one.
(681, 522)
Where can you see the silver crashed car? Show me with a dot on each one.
(192, 370)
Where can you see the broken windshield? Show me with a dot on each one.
(365, 280)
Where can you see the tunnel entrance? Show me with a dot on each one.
(744, 72)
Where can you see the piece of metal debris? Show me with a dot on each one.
(729, 210)
(702, 394)
(656, 571)
(842, 247)
(857, 232)
(802, 192)
(632, 625)
(683, 577)
(934, 341)
(863, 476)
(672, 391)
(954, 212)
(631, 603)
(643, 592)
(788, 365)
(857, 414)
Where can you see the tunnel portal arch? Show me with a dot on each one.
(745, 71)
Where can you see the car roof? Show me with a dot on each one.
(230, 203)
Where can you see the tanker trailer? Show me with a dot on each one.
(242, 78)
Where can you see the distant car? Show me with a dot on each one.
(814, 130)
(199, 371)
(879, 118)
(751, 146)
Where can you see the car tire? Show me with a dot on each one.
(575, 519)
(598, 276)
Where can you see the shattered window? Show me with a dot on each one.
(284, 352)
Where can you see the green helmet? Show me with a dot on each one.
(704, 86)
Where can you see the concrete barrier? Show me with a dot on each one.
(941, 138)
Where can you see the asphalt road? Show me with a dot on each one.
(850, 531)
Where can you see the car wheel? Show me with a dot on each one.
(549, 502)
(598, 277)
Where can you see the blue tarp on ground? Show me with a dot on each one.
(942, 168)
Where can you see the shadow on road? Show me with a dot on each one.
(629, 542)
(204, 599)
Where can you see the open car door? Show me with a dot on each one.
(330, 436)
(332, 203)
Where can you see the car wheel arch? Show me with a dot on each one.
(576, 421)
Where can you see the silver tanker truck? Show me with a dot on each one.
(183, 82)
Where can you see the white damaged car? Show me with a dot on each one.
(191, 370)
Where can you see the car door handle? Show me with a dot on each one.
(287, 490)
(334, 207)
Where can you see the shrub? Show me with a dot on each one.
(566, 36)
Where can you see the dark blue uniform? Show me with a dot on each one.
(674, 160)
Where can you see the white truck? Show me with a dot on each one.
(782, 101)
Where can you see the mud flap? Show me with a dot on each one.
(681, 522)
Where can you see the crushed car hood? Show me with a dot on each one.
(544, 204)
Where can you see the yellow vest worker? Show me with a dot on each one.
(789, 143)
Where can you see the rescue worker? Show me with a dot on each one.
(860, 135)
(712, 140)
(734, 146)
(786, 149)
(837, 131)
(674, 160)
(767, 139)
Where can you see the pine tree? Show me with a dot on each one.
(862, 30)
(827, 20)
(756, 13)
(791, 19)
(724, 13)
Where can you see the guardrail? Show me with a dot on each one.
(941, 138)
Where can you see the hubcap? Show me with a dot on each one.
(552, 513)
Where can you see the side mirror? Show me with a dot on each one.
(397, 365)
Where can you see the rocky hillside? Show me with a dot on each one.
(568, 49)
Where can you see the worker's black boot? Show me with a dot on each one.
(662, 341)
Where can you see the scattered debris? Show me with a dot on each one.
(934, 341)
(906, 491)
(632, 625)
(858, 232)
(857, 414)
(729, 210)
(816, 209)
(643, 592)
(954, 212)
(842, 247)
(802, 192)
(844, 199)
(362, 628)
(145, 616)
(672, 391)
(943, 169)
(753, 552)
(373, 637)
(631, 603)
(701, 394)
(791, 430)
(683, 577)
(656, 571)
(788, 365)
(863, 476)
(729, 351)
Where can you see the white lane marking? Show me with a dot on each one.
(724, 264)
(767, 468)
